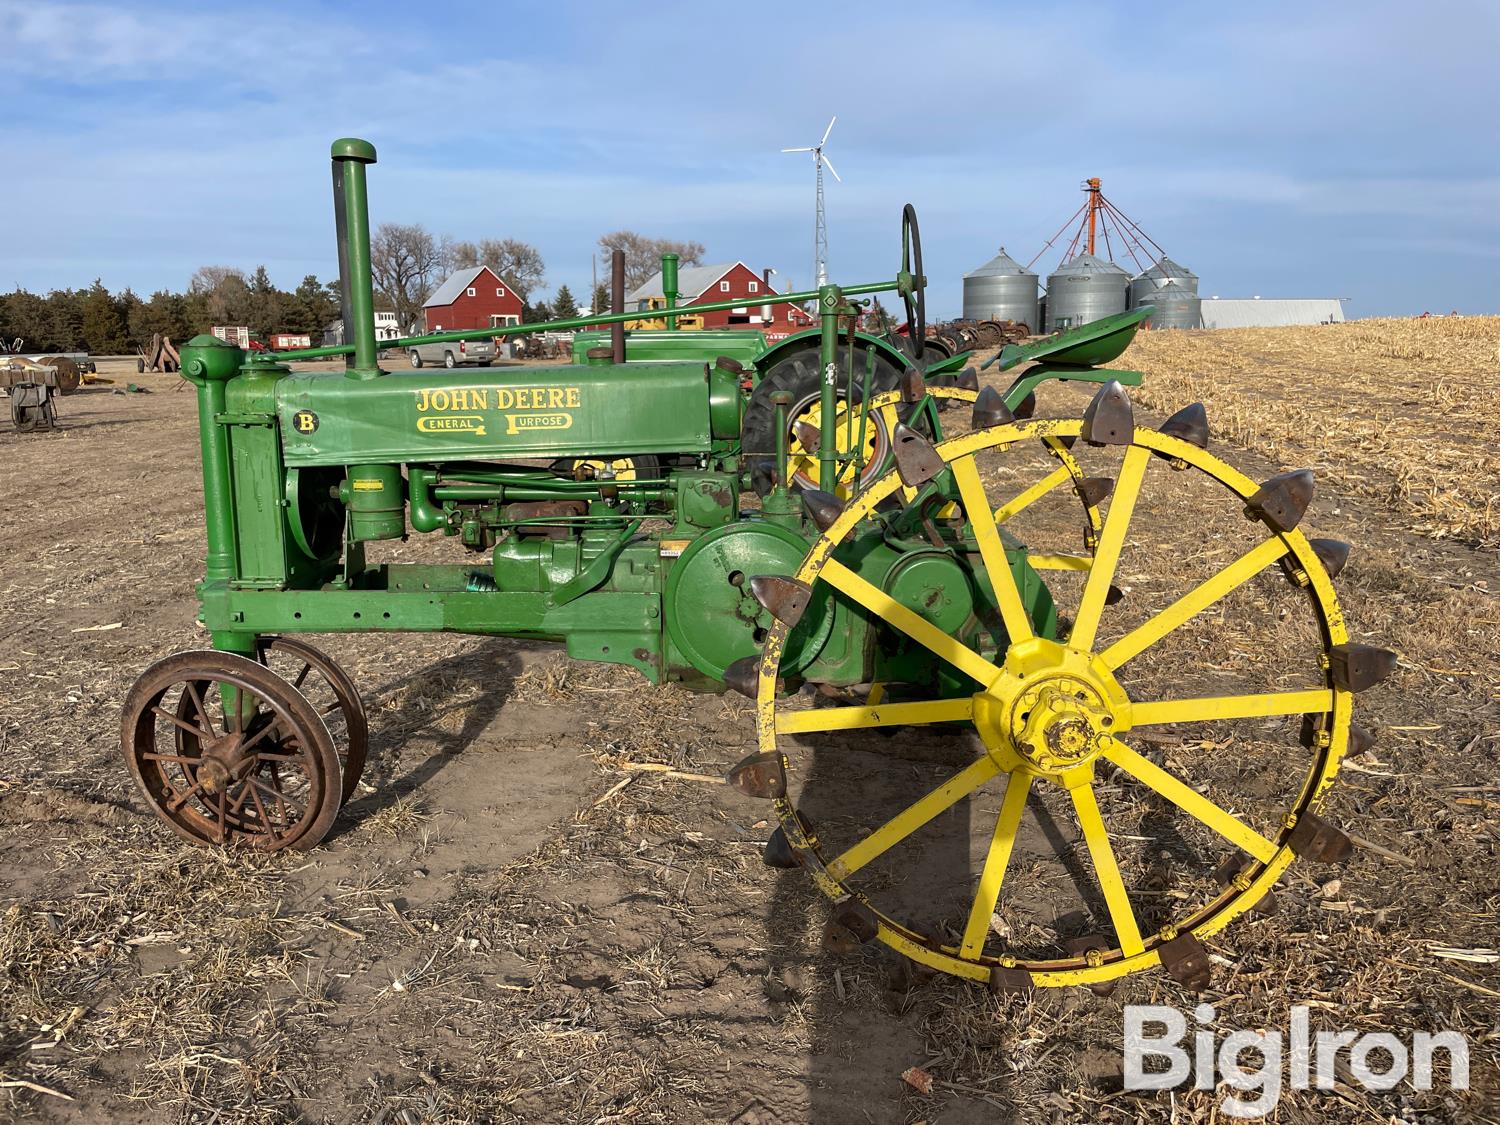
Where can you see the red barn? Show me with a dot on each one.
(472, 298)
(699, 285)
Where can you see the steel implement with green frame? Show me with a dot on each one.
(808, 523)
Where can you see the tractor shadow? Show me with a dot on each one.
(451, 703)
(848, 784)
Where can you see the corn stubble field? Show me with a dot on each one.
(513, 922)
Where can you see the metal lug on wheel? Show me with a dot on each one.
(1093, 491)
(760, 775)
(1027, 406)
(1014, 981)
(1082, 947)
(1282, 501)
(1319, 840)
(990, 410)
(785, 598)
(808, 436)
(968, 380)
(851, 925)
(916, 459)
(1361, 741)
(913, 386)
(779, 852)
(1332, 553)
(1190, 424)
(1359, 667)
(823, 507)
(1109, 419)
(744, 676)
(1114, 595)
(1187, 961)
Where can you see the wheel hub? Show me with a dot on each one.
(1051, 711)
(223, 760)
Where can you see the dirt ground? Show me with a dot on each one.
(506, 924)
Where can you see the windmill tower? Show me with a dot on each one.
(820, 227)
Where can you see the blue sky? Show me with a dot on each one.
(1323, 149)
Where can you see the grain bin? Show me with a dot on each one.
(1175, 307)
(1085, 289)
(1164, 272)
(1001, 289)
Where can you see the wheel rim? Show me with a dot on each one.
(263, 775)
(332, 693)
(1090, 732)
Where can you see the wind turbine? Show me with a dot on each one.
(820, 230)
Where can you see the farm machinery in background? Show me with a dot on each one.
(815, 533)
(33, 383)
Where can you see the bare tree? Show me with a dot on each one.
(643, 255)
(224, 294)
(206, 279)
(404, 261)
(517, 262)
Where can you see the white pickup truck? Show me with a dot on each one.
(480, 352)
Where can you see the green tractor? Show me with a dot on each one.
(845, 584)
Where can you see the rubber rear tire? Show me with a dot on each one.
(449, 361)
(797, 373)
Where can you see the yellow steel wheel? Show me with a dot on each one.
(1053, 712)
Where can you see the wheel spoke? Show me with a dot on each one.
(1001, 844)
(919, 629)
(181, 798)
(877, 715)
(1195, 601)
(179, 759)
(1106, 870)
(1190, 801)
(197, 698)
(987, 533)
(301, 676)
(1211, 707)
(904, 823)
(1111, 540)
(265, 817)
(1060, 562)
(261, 734)
(181, 723)
(223, 813)
(1026, 499)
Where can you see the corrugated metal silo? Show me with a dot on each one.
(1001, 289)
(1176, 307)
(1164, 272)
(1085, 289)
(1041, 315)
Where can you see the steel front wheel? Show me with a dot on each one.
(1100, 738)
(332, 692)
(227, 752)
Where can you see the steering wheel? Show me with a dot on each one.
(911, 281)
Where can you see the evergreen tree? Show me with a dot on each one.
(563, 305)
(601, 299)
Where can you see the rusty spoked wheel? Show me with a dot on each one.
(227, 752)
(1073, 730)
(329, 689)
